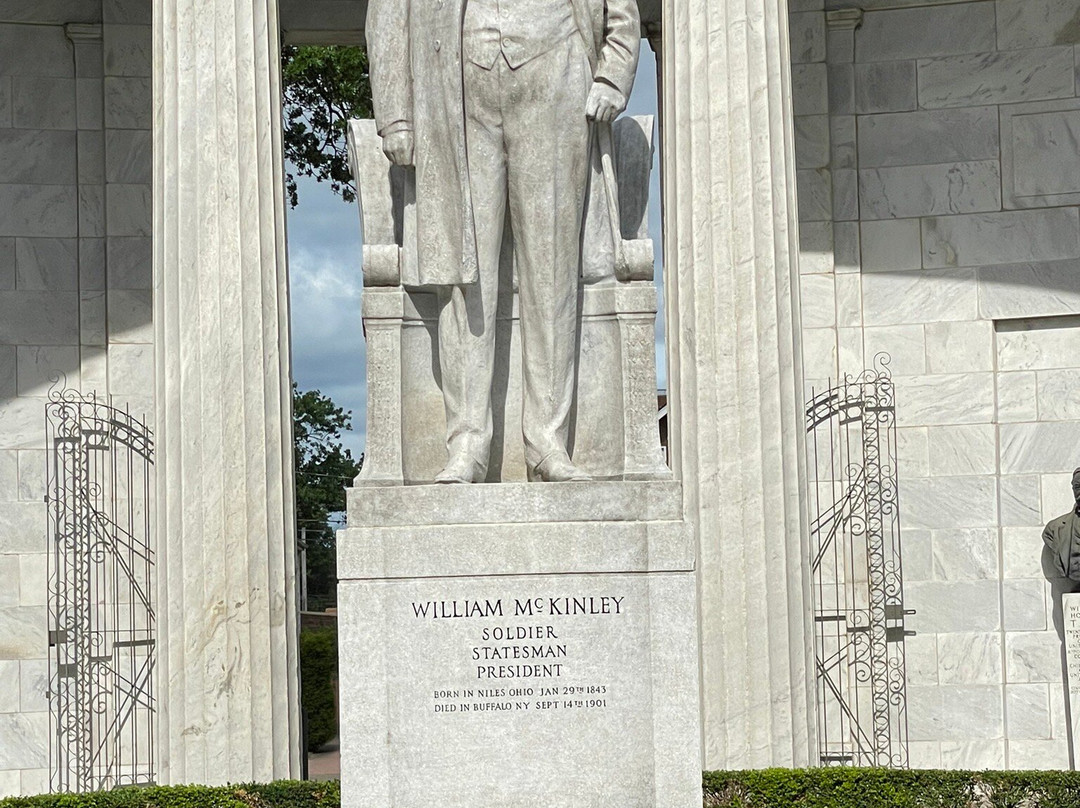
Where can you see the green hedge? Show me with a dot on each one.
(282, 794)
(890, 788)
(771, 788)
(318, 672)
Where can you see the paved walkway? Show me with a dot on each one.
(326, 763)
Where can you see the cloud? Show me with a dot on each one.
(325, 288)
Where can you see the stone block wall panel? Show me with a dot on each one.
(75, 168)
(958, 124)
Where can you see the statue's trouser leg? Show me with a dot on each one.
(547, 135)
(467, 314)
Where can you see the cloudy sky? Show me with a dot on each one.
(325, 282)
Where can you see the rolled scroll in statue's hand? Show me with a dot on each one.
(492, 103)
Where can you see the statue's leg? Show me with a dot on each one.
(467, 313)
(547, 149)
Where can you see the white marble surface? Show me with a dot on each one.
(955, 713)
(1017, 397)
(913, 454)
(1036, 23)
(996, 77)
(841, 89)
(1048, 755)
(929, 31)
(734, 365)
(929, 190)
(1029, 290)
(1059, 395)
(1028, 710)
(807, 32)
(898, 298)
(43, 102)
(950, 135)
(127, 102)
(815, 195)
(46, 264)
(962, 449)
(9, 593)
(973, 755)
(1039, 447)
(963, 554)
(986, 239)
(38, 210)
(812, 141)
(1025, 346)
(628, 734)
(1040, 166)
(905, 344)
(810, 89)
(24, 634)
(921, 659)
(1033, 656)
(950, 502)
(227, 630)
(956, 347)
(24, 740)
(818, 294)
(1024, 604)
(890, 245)
(1019, 506)
(842, 141)
(634, 734)
(44, 157)
(885, 87)
(23, 523)
(969, 658)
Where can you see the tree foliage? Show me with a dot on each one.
(323, 470)
(323, 88)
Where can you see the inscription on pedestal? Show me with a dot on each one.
(522, 660)
(1070, 609)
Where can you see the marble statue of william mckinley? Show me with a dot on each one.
(1062, 536)
(493, 102)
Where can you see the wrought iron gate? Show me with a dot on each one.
(856, 572)
(101, 615)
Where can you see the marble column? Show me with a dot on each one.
(228, 703)
(737, 435)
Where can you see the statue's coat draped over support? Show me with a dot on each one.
(414, 51)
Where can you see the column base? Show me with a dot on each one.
(519, 644)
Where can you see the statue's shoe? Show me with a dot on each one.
(462, 469)
(557, 468)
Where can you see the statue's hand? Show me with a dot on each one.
(398, 146)
(604, 103)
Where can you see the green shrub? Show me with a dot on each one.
(282, 794)
(890, 788)
(769, 788)
(318, 672)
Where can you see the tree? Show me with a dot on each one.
(323, 88)
(323, 470)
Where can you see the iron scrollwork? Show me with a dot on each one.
(857, 571)
(101, 613)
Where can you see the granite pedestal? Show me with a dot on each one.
(519, 644)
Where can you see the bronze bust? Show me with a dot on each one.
(1062, 536)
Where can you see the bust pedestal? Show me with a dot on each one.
(518, 644)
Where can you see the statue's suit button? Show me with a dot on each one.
(438, 44)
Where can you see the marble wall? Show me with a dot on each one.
(74, 294)
(939, 179)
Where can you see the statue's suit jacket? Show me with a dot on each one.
(415, 64)
(1062, 536)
